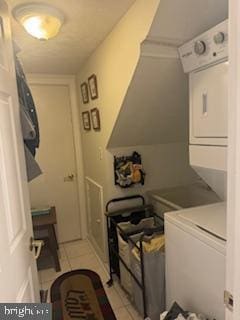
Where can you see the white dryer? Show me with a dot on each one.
(205, 58)
(195, 259)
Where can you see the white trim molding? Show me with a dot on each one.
(158, 50)
(102, 254)
(70, 81)
(233, 205)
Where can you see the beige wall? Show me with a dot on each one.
(166, 165)
(114, 63)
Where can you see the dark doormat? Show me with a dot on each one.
(80, 295)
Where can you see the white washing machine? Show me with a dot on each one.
(195, 259)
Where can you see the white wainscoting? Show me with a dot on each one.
(95, 216)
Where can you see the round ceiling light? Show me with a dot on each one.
(40, 20)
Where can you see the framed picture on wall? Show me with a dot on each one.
(84, 91)
(86, 120)
(95, 119)
(92, 83)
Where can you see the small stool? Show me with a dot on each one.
(46, 222)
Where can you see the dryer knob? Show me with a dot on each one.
(219, 38)
(199, 47)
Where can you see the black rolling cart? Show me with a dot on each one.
(133, 214)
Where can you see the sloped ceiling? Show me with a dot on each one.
(87, 23)
(155, 109)
(179, 21)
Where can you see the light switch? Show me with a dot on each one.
(100, 153)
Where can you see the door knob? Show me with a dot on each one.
(37, 246)
(68, 178)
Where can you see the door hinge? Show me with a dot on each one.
(228, 300)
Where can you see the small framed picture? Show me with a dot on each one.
(95, 119)
(84, 91)
(86, 120)
(92, 83)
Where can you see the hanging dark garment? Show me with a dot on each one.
(26, 101)
(29, 123)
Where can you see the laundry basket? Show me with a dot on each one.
(126, 228)
(120, 239)
(154, 281)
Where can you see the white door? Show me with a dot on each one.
(18, 276)
(209, 102)
(57, 186)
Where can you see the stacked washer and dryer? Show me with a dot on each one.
(195, 229)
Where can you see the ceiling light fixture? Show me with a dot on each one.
(40, 20)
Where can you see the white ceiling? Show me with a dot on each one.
(87, 23)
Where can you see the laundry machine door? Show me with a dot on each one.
(195, 273)
(209, 100)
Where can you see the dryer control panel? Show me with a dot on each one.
(208, 48)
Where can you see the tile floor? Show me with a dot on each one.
(79, 255)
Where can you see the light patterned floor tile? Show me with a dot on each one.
(47, 286)
(123, 314)
(103, 275)
(77, 249)
(113, 297)
(133, 312)
(106, 265)
(124, 296)
(62, 253)
(39, 278)
(50, 274)
(85, 262)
